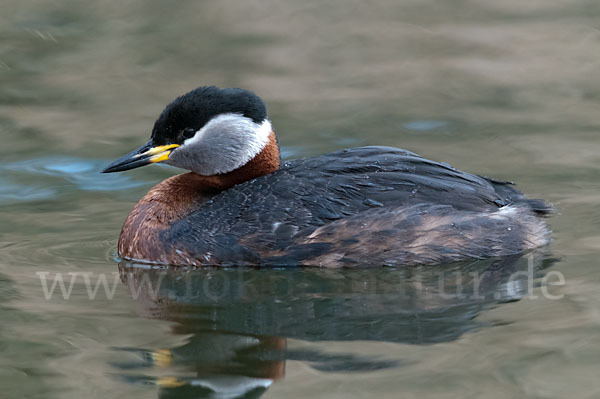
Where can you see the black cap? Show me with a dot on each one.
(195, 108)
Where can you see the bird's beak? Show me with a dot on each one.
(145, 155)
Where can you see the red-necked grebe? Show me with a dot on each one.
(240, 205)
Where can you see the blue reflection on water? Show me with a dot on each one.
(425, 125)
(71, 167)
(12, 192)
(19, 183)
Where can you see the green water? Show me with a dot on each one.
(505, 89)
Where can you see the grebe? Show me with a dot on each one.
(240, 205)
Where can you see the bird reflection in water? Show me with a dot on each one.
(237, 320)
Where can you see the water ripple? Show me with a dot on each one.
(19, 184)
(12, 192)
(425, 125)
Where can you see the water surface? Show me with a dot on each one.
(504, 89)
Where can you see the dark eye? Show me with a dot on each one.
(187, 133)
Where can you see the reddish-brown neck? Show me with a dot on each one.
(174, 197)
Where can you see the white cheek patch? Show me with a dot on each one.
(225, 143)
